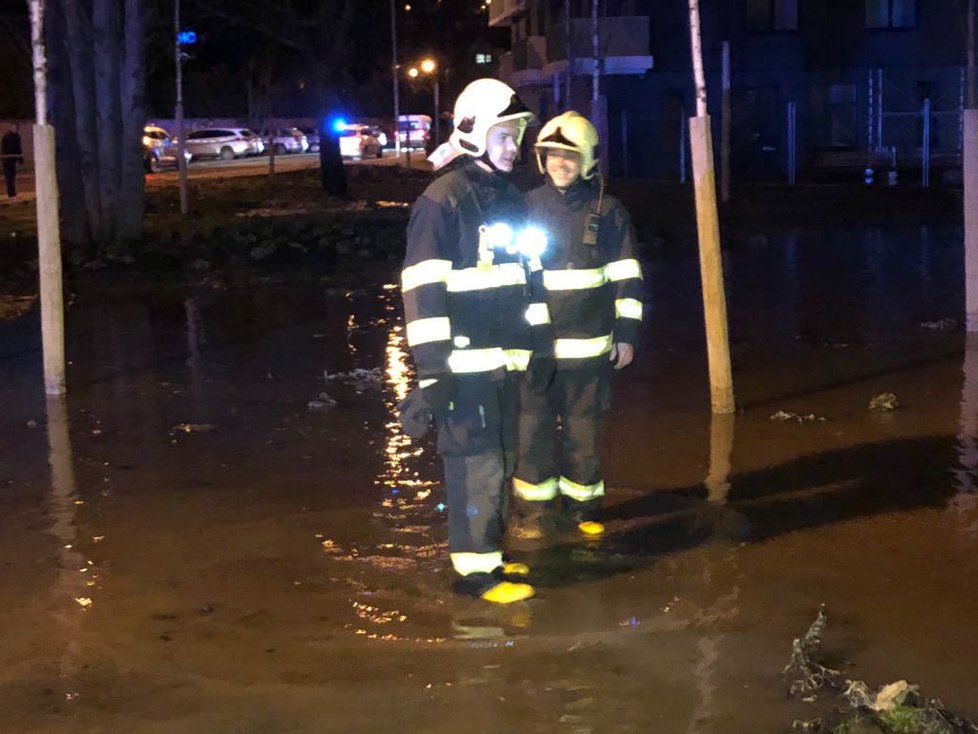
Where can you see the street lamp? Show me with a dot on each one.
(430, 66)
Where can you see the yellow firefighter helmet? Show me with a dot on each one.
(570, 131)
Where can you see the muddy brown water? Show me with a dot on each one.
(188, 546)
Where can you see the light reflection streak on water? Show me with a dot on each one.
(75, 584)
(399, 449)
(351, 326)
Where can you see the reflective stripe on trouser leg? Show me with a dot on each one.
(585, 395)
(540, 492)
(469, 563)
(476, 493)
(581, 492)
(536, 468)
(477, 442)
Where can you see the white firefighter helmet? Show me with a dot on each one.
(482, 104)
(570, 131)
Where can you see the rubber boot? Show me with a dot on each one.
(586, 517)
(529, 519)
(493, 587)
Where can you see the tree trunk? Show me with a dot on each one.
(79, 46)
(132, 85)
(97, 92)
(61, 103)
(107, 28)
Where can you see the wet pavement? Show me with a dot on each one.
(224, 530)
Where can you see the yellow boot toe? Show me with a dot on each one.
(506, 592)
(591, 528)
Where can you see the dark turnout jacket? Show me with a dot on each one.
(468, 311)
(594, 291)
(10, 150)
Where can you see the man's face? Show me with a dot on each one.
(502, 144)
(563, 166)
(14, 127)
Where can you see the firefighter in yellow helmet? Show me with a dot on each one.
(593, 284)
(475, 314)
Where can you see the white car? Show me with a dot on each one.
(224, 143)
(285, 140)
(361, 141)
(159, 149)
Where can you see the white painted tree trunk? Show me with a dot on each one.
(708, 229)
(48, 232)
(696, 47)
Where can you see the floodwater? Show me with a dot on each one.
(200, 540)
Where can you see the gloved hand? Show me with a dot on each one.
(541, 372)
(439, 393)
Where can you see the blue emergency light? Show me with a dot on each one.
(337, 124)
(186, 38)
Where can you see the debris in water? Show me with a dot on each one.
(896, 708)
(884, 401)
(781, 416)
(193, 427)
(323, 403)
(940, 324)
(358, 378)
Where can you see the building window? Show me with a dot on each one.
(891, 13)
(483, 58)
(772, 15)
(842, 115)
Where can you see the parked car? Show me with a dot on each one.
(159, 149)
(225, 142)
(285, 140)
(414, 130)
(312, 136)
(361, 141)
(257, 144)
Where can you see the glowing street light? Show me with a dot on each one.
(430, 67)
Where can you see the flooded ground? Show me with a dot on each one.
(202, 541)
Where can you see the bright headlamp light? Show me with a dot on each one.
(531, 242)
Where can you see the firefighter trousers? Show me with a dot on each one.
(561, 437)
(477, 444)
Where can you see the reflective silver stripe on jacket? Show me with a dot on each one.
(628, 308)
(582, 348)
(572, 280)
(480, 279)
(422, 331)
(467, 361)
(623, 269)
(429, 271)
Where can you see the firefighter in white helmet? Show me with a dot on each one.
(473, 325)
(594, 289)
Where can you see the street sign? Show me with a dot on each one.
(185, 38)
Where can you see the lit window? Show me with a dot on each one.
(891, 13)
(772, 15)
(483, 58)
